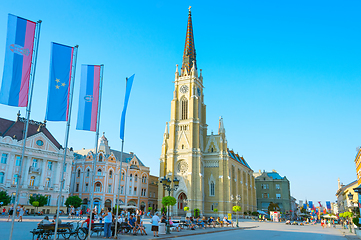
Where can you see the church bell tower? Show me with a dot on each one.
(185, 134)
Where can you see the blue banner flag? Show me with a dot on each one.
(328, 205)
(127, 94)
(61, 62)
(17, 65)
(310, 204)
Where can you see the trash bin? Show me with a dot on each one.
(161, 228)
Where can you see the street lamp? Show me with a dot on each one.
(167, 187)
(238, 199)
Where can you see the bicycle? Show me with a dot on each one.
(79, 232)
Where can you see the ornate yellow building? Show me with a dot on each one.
(208, 171)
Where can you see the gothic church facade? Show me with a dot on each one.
(209, 172)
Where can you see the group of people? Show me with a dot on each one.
(20, 211)
(75, 213)
(191, 222)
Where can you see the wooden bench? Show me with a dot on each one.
(46, 230)
(97, 228)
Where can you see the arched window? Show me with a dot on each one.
(184, 108)
(100, 157)
(145, 179)
(122, 175)
(79, 173)
(99, 172)
(131, 177)
(32, 180)
(212, 188)
(110, 174)
(47, 182)
(15, 180)
(97, 187)
(136, 177)
(2, 177)
(88, 172)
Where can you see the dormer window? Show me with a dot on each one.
(100, 157)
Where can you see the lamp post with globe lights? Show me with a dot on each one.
(237, 200)
(167, 187)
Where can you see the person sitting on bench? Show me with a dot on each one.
(219, 221)
(54, 221)
(172, 224)
(226, 221)
(200, 222)
(131, 223)
(87, 221)
(211, 222)
(44, 221)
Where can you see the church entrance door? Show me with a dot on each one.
(182, 199)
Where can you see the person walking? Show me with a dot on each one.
(155, 224)
(107, 222)
(11, 211)
(21, 213)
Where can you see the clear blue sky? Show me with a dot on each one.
(284, 75)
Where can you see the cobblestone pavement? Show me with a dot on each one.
(248, 230)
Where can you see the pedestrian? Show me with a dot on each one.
(11, 211)
(107, 222)
(4, 210)
(21, 213)
(155, 224)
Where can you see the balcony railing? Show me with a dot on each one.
(34, 170)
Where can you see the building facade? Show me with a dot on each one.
(42, 163)
(271, 187)
(344, 203)
(134, 177)
(209, 172)
(153, 193)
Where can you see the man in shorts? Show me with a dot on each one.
(155, 224)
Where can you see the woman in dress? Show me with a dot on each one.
(21, 213)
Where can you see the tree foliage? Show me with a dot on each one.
(215, 210)
(4, 198)
(35, 203)
(73, 201)
(273, 207)
(150, 209)
(43, 200)
(186, 209)
(196, 212)
(169, 201)
(236, 208)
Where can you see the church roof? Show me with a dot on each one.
(189, 54)
(15, 129)
(275, 175)
(237, 158)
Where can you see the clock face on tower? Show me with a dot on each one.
(183, 89)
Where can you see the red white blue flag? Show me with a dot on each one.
(18, 55)
(89, 98)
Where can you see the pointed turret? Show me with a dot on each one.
(221, 126)
(189, 54)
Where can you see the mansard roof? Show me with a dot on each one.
(127, 157)
(237, 158)
(15, 129)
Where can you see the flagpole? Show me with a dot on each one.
(120, 178)
(28, 110)
(66, 138)
(96, 149)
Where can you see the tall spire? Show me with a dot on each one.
(189, 54)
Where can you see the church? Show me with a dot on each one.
(211, 176)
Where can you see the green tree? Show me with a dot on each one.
(73, 201)
(168, 201)
(273, 207)
(41, 199)
(186, 209)
(4, 198)
(149, 209)
(196, 212)
(215, 210)
(236, 208)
